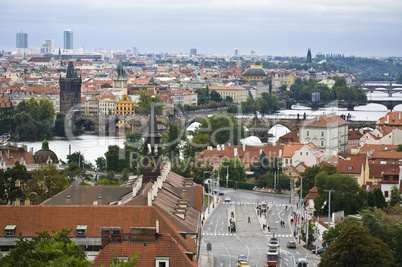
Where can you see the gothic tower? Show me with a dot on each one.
(120, 81)
(70, 89)
(152, 149)
(308, 56)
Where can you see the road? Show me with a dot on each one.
(250, 239)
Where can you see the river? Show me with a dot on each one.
(94, 146)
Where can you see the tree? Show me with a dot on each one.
(45, 250)
(250, 105)
(309, 176)
(262, 166)
(73, 172)
(9, 190)
(115, 159)
(110, 178)
(221, 129)
(396, 198)
(387, 228)
(133, 147)
(379, 198)
(106, 85)
(171, 141)
(182, 167)
(59, 129)
(348, 195)
(46, 111)
(76, 157)
(268, 103)
(399, 149)
(354, 247)
(215, 96)
(198, 171)
(125, 175)
(228, 99)
(100, 163)
(144, 105)
(46, 182)
(236, 170)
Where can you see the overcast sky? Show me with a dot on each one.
(271, 27)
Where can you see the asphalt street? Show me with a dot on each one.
(249, 239)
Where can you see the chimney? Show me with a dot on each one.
(218, 147)
(244, 147)
(223, 147)
(261, 150)
(280, 153)
(399, 115)
(157, 226)
(235, 152)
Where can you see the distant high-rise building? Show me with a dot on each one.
(193, 52)
(135, 51)
(309, 56)
(68, 39)
(47, 47)
(236, 51)
(251, 52)
(22, 40)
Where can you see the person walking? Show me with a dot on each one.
(249, 221)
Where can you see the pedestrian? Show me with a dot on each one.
(260, 213)
(249, 221)
(286, 207)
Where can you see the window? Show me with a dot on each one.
(308, 133)
(322, 133)
(81, 231)
(386, 194)
(301, 153)
(286, 161)
(9, 231)
(22, 202)
(162, 262)
(322, 143)
(306, 153)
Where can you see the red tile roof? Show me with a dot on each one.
(391, 119)
(326, 119)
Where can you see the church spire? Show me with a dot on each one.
(70, 71)
(152, 156)
(120, 71)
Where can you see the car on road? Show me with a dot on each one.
(273, 242)
(318, 251)
(301, 262)
(227, 199)
(218, 192)
(243, 264)
(241, 258)
(291, 244)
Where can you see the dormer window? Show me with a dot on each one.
(9, 231)
(81, 231)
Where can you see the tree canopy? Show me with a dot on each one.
(236, 170)
(144, 105)
(354, 246)
(9, 189)
(45, 250)
(34, 119)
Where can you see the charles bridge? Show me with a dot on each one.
(138, 124)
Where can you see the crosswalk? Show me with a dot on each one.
(252, 203)
(276, 235)
(221, 234)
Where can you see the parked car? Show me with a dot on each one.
(291, 244)
(318, 251)
(227, 199)
(218, 192)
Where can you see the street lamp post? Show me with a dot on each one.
(227, 176)
(329, 206)
(213, 197)
(301, 204)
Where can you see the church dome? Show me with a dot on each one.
(255, 72)
(45, 155)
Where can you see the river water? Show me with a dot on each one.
(94, 146)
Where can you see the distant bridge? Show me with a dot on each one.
(349, 104)
(138, 124)
(389, 87)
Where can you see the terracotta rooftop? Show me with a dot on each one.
(391, 119)
(326, 119)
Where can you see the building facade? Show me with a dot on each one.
(328, 132)
(22, 40)
(68, 39)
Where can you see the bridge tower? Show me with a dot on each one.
(70, 89)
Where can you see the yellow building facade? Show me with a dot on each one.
(255, 73)
(125, 105)
(238, 93)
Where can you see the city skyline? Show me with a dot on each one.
(288, 28)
